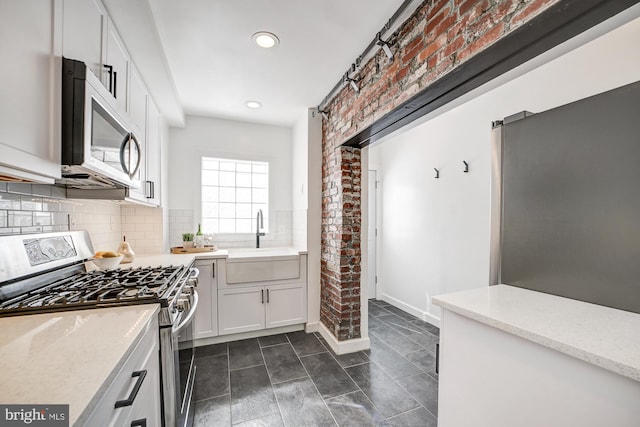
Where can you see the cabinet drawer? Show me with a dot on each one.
(144, 357)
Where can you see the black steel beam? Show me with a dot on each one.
(559, 23)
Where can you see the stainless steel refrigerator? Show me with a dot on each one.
(565, 202)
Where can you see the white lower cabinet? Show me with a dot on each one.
(261, 307)
(133, 397)
(286, 305)
(205, 323)
(241, 310)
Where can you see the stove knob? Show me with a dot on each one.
(183, 304)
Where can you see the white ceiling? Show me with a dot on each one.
(215, 67)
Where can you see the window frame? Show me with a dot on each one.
(264, 205)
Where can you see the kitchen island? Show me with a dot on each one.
(515, 357)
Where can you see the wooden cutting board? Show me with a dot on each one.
(182, 250)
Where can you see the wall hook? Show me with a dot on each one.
(466, 166)
(437, 173)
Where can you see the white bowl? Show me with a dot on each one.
(107, 263)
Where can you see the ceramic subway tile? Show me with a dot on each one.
(41, 190)
(60, 218)
(29, 230)
(9, 230)
(126, 227)
(127, 211)
(19, 219)
(3, 219)
(9, 201)
(153, 219)
(19, 188)
(58, 192)
(144, 227)
(31, 203)
(3, 186)
(42, 218)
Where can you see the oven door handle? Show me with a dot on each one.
(187, 319)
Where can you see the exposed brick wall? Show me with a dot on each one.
(439, 36)
(340, 257)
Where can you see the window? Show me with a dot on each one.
(232, 193)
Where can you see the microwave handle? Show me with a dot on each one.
(124, 165)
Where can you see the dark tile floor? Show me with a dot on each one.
(295, 380)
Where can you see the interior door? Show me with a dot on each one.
(372, 235)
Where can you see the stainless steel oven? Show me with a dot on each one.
(177, 357)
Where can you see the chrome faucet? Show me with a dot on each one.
(259, 225)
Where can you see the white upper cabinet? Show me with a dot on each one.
(154, 154)
(30, 93)
(138, 100)
(116, 64)
(84, 29)
(90, 36)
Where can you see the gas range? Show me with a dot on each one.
(96, 289)
(43, 273)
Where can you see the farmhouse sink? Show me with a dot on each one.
(246, 265)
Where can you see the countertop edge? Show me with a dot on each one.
(579, 353)
(95, 399)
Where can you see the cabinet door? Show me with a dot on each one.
(147, 405)
(286, 305)
(30, 76)
(117, 58)
(83, 33)
(154, 154)
(138, 100)
(241, 310)
(206, 317)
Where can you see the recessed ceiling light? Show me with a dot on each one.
(253, 104)
(265, 39)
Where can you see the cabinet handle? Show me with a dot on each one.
(213, 270)
(262, 295)
(139, 423)
(267, 296)
(115, 82)
(151, 190)
(109, 69)
(437, 358)
(136, 388)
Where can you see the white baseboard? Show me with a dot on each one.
(244, 335)
(344, 347)
(430, 318)
(312, 327)
(420, 314)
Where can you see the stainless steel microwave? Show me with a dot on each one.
(99, 146)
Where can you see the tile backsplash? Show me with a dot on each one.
(143, 228)
(280, 234)
(34, 208)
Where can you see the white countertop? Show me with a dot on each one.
(69, 357)
(173, 259)
(599, 335)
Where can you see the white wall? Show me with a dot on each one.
(434, 235)
(306, 194)
(299, 185)
(204, 136)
